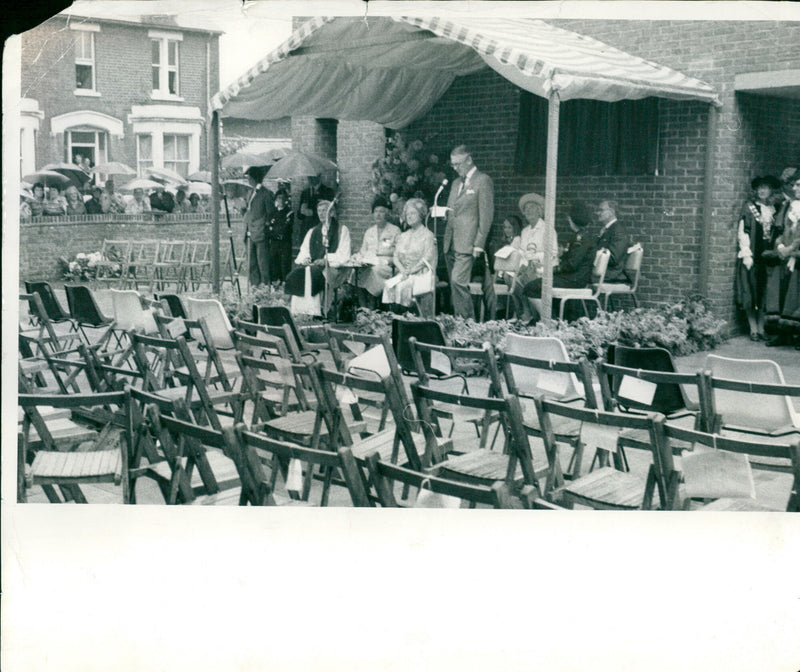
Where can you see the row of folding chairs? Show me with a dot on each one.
(160, 265)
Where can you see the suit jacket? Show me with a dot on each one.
(617, 241)
(469, 221)
(260, 209)
(575, 267)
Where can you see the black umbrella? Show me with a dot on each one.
(73, 172)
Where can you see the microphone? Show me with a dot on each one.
(444, 183)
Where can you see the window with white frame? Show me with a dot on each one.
(86, 142)
(84, 61)
(176, 153)
(144, 153)
(165, 50)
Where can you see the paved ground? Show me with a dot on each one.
(771, 488)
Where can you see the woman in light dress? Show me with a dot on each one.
(415, 257)
(378, 247)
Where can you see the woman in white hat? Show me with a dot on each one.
(532, 243)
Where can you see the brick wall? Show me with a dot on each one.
(755, 135)
(123, 77)
(43, 240)
(359, 144)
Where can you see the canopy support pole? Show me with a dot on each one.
(215, 201)
(554, 105)
(708, 202)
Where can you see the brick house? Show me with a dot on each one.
(129, 91)
(687, 231)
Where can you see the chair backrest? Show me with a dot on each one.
(216, 318)
(129, 314)
(668, 398)
(49, 300)
(283, 332)
(280, 453)
(633, 264)
(713, 471)
(531, 381)
(277, 316)
(385, 476)
(548, 377)
(174, 304)
(425, 331)
(600, 266)
(597, 422)
(625, 393)
(46, 334)
(763, 409)
(83, 306)
(447, 358)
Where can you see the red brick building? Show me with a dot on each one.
(135, 92)
(753, 66)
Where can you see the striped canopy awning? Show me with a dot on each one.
(393, 70)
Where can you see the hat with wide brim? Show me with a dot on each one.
(531, 198)
(766, 180)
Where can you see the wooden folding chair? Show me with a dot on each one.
(278, 316)
(719, 468)
(439, 363)
(557, 378)
(513, 464)
(113, 268)
(169, 267)
(385, 476)
(44, 333)
(288, 460)
(140, 266)
(609, 487)
(87, 315)
(45, 445)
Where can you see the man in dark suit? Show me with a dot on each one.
(469, 220)
(614, 238)
(260, 209)
(307, 212)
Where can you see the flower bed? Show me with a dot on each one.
(84, 267)
(683, 328)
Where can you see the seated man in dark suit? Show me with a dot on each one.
(614, 238)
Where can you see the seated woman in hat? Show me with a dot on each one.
(532, 244)
(378, 246)
(756, 233)
(324, 248)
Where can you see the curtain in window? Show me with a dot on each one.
(595, 138)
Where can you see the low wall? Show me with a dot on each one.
(42, 240)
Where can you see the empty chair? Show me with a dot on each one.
(747, 407)
(212, 311)
(277, 316)
(51, 304)
(174, 303)
(140, 267)
(130, 314)
(425, 331)
(169, 267)
(719, 469)
(113, 266)
(607, 487)
(44, 333)
(49, 465)
(633, 268)
(87, 314)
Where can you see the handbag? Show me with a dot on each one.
(423, 283)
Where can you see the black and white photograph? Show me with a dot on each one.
(282, 266)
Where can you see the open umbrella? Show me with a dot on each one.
(199, 188)
(166, 175)
(235, 188)
(73, 172)
(200, 176)
(113, 168)
(245, 160)
(300, 164)
(48, 178)
(140, 183)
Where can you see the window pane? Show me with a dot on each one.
(83, 45)
(173, 83)
(83, 137)
(173, 53)
(155, 47)
(83, 76)
(183, 147)
(145, 147)
(169, 147)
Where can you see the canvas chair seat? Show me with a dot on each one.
(606, 488)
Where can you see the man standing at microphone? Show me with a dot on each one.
(469, 220)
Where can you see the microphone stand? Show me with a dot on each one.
(235, 275)
(436, 237)
(326, 271)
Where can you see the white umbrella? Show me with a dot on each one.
(140, 183)
(245, 160)
(199, 188)
(300, 164)
(200, 176)
(166, 175)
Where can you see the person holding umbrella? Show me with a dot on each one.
(259, 210)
